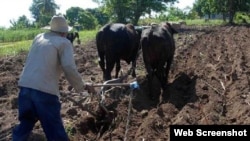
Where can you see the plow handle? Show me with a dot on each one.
(133, 85)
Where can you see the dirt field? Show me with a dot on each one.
(209, 84)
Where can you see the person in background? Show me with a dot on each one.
(51, 54)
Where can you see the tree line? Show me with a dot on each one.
(130, 11)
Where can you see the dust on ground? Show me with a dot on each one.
(209, 84)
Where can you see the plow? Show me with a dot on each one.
(104, 117)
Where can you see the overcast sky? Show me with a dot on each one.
(13, 9)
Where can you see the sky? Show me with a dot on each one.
(13, 9)
(184, 3)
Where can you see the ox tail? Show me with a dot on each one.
(100, 49)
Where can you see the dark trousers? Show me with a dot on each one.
(34, 105)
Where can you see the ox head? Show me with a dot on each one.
(170, 28)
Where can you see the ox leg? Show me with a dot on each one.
(118, 68)
(109, 67)
(169, 62)
(150, 85)
(133, 68)
(161, 75)
(150, 81)
(102, 64)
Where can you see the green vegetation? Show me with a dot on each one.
(242, 17)
(87, 35)
(132, 11)
(18, 35)
(14, 41)
(197, 22)
(216, 12)
(13, 48)
(203, 22)
(16, 44)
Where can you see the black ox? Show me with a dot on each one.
(72, 36)
(158, 48)
(115, 42)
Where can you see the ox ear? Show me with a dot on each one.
(171, 29)
(130, 26)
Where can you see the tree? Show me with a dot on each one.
(22, 22)
(234, 6)
(43, 10)
(192, 14)
(87, 20)
(80, 17)
(220, 6)
(202, 7)
(72, 15)
(118, 10)
(175, 14)
(125, 11)
(102, 18)
(224, 7)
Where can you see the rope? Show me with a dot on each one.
(129, 114)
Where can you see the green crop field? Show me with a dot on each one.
(13, 42)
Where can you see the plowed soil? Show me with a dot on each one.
(209, 84)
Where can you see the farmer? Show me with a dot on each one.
(50, 54)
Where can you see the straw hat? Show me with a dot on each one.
(58, 24)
